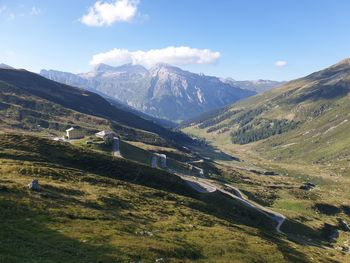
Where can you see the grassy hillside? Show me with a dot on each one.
(28, 100)
(300, 133)
(93, 208)
(305, 119)
(96, 208)
(177, 161)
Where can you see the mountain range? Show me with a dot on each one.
(162, 91)
(258, 86)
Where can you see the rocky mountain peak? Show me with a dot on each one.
(126, 68)
(103, 67)
(166, 68)
(163, 91)
(344, 62)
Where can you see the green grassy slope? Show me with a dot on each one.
(142, 153)
(93, 208)
(315, 150)
(305, 119)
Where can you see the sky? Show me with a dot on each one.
(241, 39)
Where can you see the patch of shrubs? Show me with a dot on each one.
(262, 130)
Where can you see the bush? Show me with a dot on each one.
(261, 129)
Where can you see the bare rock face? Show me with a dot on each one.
(34, 185)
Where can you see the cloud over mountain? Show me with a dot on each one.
(171, 55)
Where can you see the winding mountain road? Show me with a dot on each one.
(206, 187)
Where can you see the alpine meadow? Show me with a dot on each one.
(174, 131)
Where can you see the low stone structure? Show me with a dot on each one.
(154, 161)
(159, 160)
(34, 185)
(104, 134)
(107, 136)
(308, 186)
(163, 163)
(116, 147)
(344, 225)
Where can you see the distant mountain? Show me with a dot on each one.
(258, 86)
(4, 66)
(163, 91)
(30, 102)
(65, 78)
(78, 81)
(305, 119)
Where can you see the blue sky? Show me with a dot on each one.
(243, 39)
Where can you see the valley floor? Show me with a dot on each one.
(276, 184)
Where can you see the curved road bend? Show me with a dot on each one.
(202, 186)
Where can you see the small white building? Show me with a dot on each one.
(73, 133)
(105, 134)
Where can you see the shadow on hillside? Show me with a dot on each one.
(110, 205)
(25, 238)
(213, 153)
(238, 215)
(302, 234)
(289, 253)
(327, 209)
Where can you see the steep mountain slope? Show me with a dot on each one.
(163, 91)
(28, 100)
(258, 86)
(306, 118)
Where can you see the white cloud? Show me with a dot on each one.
(171, 55)
(105, 14)
(281, 63)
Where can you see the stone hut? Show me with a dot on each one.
(74, 133)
